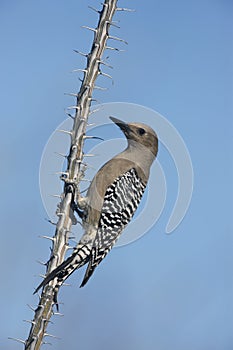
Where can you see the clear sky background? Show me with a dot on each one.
(163, 291)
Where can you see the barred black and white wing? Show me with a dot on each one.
(121, 200)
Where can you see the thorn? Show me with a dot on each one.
(29, 321)
(107, 76)
(100, 88)
(41, 262)
(37, 294)
(50, 221)
(69, 115)
(74, 239)
(56, 196)
(118, 39)
(46, 343)
(42, 276)
(71, 238)
(47, 237)
(57, 314)
(124, 9)
(79, 70)
(113, 24)
(89, 28)
(114, 49)
(30, 307)
(18, 340)
(73, 107)
(61, 154)
(81, 53)
(64, 173)
(94, 111)
(93, 137)
(94, 9)
(94, 100)
(51, 335)
(86, 180)
(66, 284)
(89, 155)
(87, 165)
(90, 124)
(65, 131)
(70, 247)
(70, 94)
(105, 64)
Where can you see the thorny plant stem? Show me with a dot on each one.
(72, 175)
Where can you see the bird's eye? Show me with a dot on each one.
(141, 131)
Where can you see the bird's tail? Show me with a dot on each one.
(80, 257)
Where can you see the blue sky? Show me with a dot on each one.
(163, 290)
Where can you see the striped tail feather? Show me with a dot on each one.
(80, 257)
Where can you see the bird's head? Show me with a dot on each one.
(139, 133)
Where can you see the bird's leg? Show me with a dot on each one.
(76, 209)
(80, 206)
(82, 202)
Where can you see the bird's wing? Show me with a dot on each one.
(120, 203)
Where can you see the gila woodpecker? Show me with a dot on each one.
(112, 199)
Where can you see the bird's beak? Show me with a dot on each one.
(122, 125)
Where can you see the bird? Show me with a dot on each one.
(111, 201)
